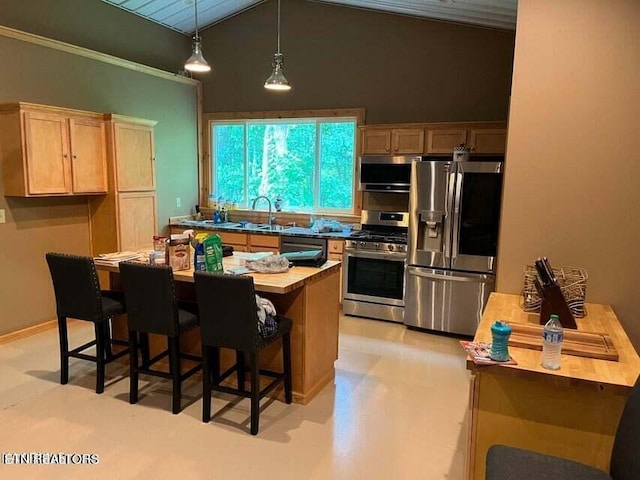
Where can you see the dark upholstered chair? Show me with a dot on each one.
(229, 319)
(152, 307)
(78, 295)
(509, 463)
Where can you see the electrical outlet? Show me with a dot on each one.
(2, 217)
(178, 202)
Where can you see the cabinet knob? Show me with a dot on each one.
(75, 156)
(65, 155)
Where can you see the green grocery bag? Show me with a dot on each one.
(213, 253)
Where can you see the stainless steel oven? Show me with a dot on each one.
(374, 267)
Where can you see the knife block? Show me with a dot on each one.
(553, 302)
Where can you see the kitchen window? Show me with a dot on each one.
(307, 162)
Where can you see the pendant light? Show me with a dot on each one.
(196, 62)
(277, 80)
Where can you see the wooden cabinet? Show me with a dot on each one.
(52, 151)
(432, 138)
(237, 240)
(126, 219)
(487, 140)
(444, 140)
(392, 141)
(264, 243)
(88, 155)
(376, 142)
(480, 140)
(134, 156)
(137, 221)
(407, 140)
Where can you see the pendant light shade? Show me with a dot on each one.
(197, 62)
(277, 81)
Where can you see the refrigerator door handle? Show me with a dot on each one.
(448, 205)
(420, 272)
(456, 215)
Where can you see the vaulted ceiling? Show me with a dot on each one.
(179, 15)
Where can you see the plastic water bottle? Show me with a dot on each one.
(552, 343)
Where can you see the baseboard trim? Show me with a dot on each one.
(27, 332)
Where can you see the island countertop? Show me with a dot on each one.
(308, 296)
(599, 318)
(572, 412)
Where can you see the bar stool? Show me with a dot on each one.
(77, 290)
(229, 319)
(152, 307)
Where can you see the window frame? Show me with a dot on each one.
(237, 117)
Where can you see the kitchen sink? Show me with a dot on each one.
(245, 226)
(267, 227)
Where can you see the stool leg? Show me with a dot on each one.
(64, 350)
(144, 348)
(240, 369)
(100, 363)
(174, 365)
(206, 383)
(133, 367)
(255, 393)
(286, 360)
(108, 353)
(214, 362)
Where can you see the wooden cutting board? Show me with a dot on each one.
(581, 344)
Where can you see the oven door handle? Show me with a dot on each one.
(393, 256)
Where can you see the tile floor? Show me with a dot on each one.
(397, 410)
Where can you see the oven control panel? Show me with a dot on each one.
(376, 246)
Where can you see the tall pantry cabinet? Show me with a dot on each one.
(126, 218)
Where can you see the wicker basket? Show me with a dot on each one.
(572, 282)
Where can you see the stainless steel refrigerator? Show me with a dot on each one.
(453, 236)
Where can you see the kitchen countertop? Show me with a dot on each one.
(574, 410)
(259, 228)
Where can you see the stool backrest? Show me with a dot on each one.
(228, 311)
(149, 292)
(625, 458)
(76, 286)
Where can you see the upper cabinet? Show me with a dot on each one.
(52, 151)
(432, 139)
(392, 141)
(444, 140)
(488, 140)
(133, 154)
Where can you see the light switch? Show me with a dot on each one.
(178, 202)
(2, 217)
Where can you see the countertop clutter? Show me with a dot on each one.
(247, 227)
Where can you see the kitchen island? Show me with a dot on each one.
(307, 295)
(572, 412)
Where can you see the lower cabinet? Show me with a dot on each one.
(264, 243)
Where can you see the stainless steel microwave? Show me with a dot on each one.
(385, 173)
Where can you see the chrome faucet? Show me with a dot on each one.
(253, 207)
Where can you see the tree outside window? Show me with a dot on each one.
(309, 163)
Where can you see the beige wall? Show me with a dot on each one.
(401, 69)
(37, 74)
(572, 186)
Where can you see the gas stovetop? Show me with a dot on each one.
(371, 240)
